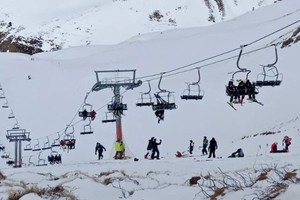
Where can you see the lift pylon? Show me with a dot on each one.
(118, 79)
(17, 136)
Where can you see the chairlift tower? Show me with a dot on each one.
(127, 81)
(17, 136)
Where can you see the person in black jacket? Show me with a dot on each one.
(241, 91)
(212, 147)
(250, 90)
(155, 149)
(149, 147)
(232, 91)
(99, 148)
(191, 148)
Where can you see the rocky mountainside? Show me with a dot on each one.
(31, 27)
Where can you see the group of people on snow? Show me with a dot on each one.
(209, 148)
(286, 142)
(237, 93)
(152, 149)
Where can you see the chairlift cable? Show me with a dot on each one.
(218, 55)
(212, 63)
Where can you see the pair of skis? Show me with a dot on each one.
(251, 101)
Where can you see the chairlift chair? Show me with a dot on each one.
(46, 145)
(270, 79)
(5, 155)
(88, 108)
(16, 126)
(193, 92)
(5, 105)
(2, 96)
(108, 118)
(164, 102)
(37, 146)
(30, 162)
(54, 158)
(87, 129)
(146, 99)
(56, 142)
(10, 162)
(115, 106)
(41, 161)
(28, 147)
(243, 71)
(68, 141)
(11, 115)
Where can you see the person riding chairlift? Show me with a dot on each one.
(250, 90)
(84, 114)
(93, 114)
(232, 92)
(160, 114)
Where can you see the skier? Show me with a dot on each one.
(204, 146)
(149, 147)
(191, 148)
(212, 147)
(99, 149)
(84, 114)
(287, 141)
(231, 90)
(250, 90)
(93, 114)
(241, 90)
(155, 149)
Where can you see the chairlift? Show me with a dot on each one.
(47, 144)
(28, 147)
(2, 147)
(56, 142)
(193, 94)
(117, 107)
(16, 125)
(30, 162)
(5, 155)
(163, 102)
(41, 161)
(68, 141)
(37, 146)
(87, 129)
(2, 95)
(87, 110)
(54, 158)
(5, 105)
(270, 79)
(109, 117)
(10, 162)
(11, 115)
(146, 99)
(243, 71)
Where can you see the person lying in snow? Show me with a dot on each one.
(237, 154)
